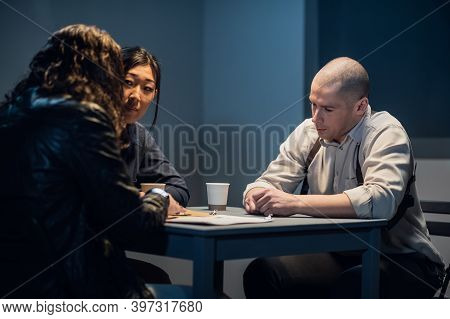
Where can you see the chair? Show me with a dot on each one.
(439, 228)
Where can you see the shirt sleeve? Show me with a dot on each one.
(155, 168)
(287, 171)
(386, 170)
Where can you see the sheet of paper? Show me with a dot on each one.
(300, 216)
(189, 212)
(218, 220)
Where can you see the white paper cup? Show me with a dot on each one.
(217, 195)
(147, 186)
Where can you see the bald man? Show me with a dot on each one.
(356, 164)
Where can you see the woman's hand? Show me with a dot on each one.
(174, 208)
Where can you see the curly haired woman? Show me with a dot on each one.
(68, 209)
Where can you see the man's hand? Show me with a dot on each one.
(251, 198)
(174, 207)
(276, 202)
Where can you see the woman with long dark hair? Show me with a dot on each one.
(144, 159)
(68, 209)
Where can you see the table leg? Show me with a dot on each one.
(218, 277)
(208, 273)
(371, 266)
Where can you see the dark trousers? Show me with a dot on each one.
(333, 275)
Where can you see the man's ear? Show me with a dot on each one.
(361, 105)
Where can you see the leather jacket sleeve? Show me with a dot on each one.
(114, 205)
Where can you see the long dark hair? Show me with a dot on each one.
(83, 62)
(136, 56)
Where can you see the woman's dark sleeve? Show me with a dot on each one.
(155, 168)
(112, 202)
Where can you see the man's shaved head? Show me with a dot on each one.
(349, 75)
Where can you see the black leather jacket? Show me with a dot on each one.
(65, 198)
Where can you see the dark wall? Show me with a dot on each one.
(406, 53)
(253, 86)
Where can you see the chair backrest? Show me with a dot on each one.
(439, 228)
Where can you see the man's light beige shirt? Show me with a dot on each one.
(384, 155)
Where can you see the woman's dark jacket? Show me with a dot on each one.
(146, 163)
(66, 198)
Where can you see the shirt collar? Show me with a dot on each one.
(355, 133)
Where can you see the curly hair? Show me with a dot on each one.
(83, 62)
